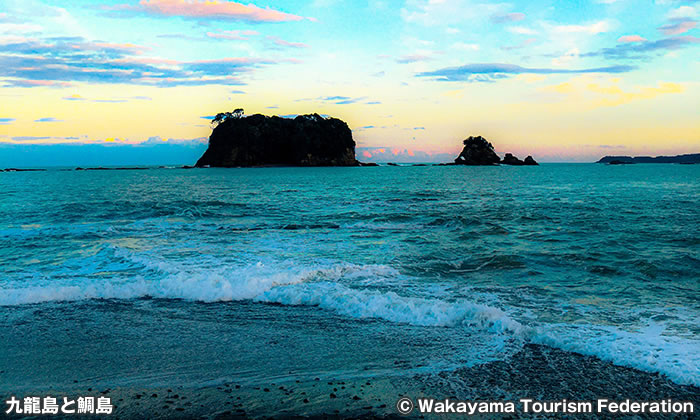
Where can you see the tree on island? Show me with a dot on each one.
(223, 116)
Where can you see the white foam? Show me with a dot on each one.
(363, 303)
(647, 349)
(359, 292)
(207, 285)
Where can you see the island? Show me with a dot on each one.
(260, 140)
(478, 151)
(626, 160)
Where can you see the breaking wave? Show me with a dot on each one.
(356, 291)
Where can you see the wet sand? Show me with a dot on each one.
(537, 372)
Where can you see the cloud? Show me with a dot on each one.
(463, 46)
(591, 29)
(76, 97)
(282, 43)
(413, 58)
(28, 138)
(641, 49)
(679, 26)
(630, 38)
(59, 61)
(508, 17)
(522, 30)
(402, 155)
(233, 35)
(683, 12)
(47, 119)
(521, 45)
(30, 151)
(489, 72)
(595, 95)
(567, 58)
(5, 121)
(613, 95)
(342, 100)
(214, 9)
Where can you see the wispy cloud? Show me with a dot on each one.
(282, 43)
(241, 35)
(612, 94)
(342, 100)
(413, 58)
(61, 61)
(29, 138)
(683, 12)
(630, 38)
(5, 121)
(678, 26)
(210, 9)
(47, 120)
(507, 17)
(76, 97)
(489, 72)
(638, 50)
(590, 28)
(401, 155)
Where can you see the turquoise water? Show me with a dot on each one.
(199, 275)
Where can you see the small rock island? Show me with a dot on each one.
(260, 140)
(479, 152)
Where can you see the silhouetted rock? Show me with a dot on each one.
(477, 151)
(365, 164)
(529, 161)
(620, 162)
(686, 159)
(259, 140)
(509, 159)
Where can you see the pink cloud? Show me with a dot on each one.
(220, 9)
(237, 35)
(36, 83)
(366, 154)
(679, 27)
(283, 43)
(630, 38)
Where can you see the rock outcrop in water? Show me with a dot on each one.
(478, 151)
(259, 140)
(621, 160)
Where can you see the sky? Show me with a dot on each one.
(562, 81)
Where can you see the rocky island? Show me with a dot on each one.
(260, 140)
(479, 152)
(625, 160)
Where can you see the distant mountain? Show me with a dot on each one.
(691, 158)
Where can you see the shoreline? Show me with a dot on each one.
(537, 371)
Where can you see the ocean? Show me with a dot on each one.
(203, 277)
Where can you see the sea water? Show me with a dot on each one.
(166, 276)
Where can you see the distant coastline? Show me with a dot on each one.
(686, 159)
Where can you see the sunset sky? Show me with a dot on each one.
(562, 81)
